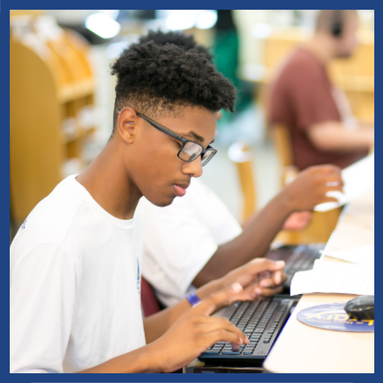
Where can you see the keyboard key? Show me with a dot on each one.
(259, 321)
(231, 353)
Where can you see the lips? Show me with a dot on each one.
(180, 189)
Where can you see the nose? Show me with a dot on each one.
(194, 168)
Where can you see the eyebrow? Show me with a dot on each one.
(194, 135)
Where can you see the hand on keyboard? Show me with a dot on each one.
(195, 331)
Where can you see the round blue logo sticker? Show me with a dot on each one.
(333, 317)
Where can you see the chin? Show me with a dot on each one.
(161, 202)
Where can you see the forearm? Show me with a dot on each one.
(157, 324)
(144, 359)
(254, 241)
(332, 136)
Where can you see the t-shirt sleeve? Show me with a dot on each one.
(43, 295)
(176, 247)
(309, 95)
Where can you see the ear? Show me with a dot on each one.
(127, 125)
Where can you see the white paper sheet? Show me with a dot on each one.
(360, 255)
(331, 277)
(358, 179)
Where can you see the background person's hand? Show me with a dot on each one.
(310, 186)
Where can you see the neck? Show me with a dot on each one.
(321, 46)
(107, 181)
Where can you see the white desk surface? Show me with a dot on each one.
(304, 349)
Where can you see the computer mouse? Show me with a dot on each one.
(361, 307)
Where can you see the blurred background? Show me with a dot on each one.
(62, 93)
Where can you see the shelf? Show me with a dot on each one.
(79, 135)
(55, 91)
(81, 89)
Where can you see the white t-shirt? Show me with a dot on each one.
(180, 238)
(75, 284)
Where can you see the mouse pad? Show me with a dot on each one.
(333, 317)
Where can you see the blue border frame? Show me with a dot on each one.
(5, 6)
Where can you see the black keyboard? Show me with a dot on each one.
(301, 259)
(261, 321)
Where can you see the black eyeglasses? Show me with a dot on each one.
(190, 150)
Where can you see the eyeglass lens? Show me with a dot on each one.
(191, 151)
(207, 156)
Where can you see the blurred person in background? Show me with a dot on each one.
(303, 99)
(226, 51)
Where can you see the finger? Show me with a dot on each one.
(254, 291)
(269, 287)
(277, 265)
(328, 168)
(333, 179)
(262, 264)
(323, 170)
(272, 267)
(223, 335)
(334, 188)
(332, 183)
(218, 299)
(268, 292)
(235, 347)
(211, 324)
(278, 279)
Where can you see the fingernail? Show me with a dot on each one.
(240, 340)
(280, 263)
(257, 291)
(278, 279)
(236, 287)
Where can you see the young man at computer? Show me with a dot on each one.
(215, 241)
(75, 262)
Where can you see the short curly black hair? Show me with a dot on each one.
(154, 79)
(178, 38)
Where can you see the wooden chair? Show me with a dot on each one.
(282, 143)
(240, 153)
(322, 224)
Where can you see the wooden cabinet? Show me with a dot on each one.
(51, 112)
